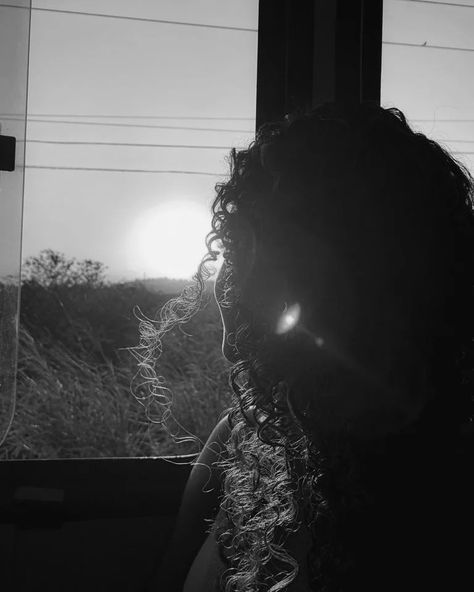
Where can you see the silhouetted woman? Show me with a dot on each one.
(346, 295)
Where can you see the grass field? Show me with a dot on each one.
(73, 381)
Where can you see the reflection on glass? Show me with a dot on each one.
(14, 39)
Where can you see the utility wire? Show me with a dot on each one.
(80, 143)
(185, 146)
(444, 120)
(20, 117)
(110, 124)
(134, 18)
(426, 46)
(441, 3)
(171, 172)
(109, 116)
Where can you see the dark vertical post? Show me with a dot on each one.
(371, 58)
(358, 50)
(300, 34)
(348, 50)
(271, 61)
(312, 51)
(324, 51)
(285, 58)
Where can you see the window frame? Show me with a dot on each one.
(313, 51)
(309, 52)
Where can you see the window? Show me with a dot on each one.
(131, 114)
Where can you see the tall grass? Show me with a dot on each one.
(73, 380)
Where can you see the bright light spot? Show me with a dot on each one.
(168, 241)
(319, 341)
(289, 319)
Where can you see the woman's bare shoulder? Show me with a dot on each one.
(199, 506)
(215, 447)
(220, 434)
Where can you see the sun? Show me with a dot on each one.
(168, 240)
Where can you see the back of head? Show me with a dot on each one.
(346, 295)
(363, 229)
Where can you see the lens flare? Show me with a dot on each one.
(289, 319)
(319, 341)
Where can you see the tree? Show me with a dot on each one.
(51, 268)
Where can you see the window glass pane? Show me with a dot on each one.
(14, 33)
(131, 115)
(428, 59)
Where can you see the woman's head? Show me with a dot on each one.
(361, 232)
(346, 296)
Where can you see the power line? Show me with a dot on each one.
(185, 146)
(109, 116)
(441, 3)
(444, 120)
(134, 144)
(135, 18)
(171, 172)
(114, 124)
(426, 46)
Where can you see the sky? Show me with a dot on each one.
(138, 224)
(429, 83)
(145, 75)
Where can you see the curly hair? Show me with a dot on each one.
(398, 211)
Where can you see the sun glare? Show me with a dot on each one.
(168, 240)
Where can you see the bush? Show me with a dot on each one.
(51, 268)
